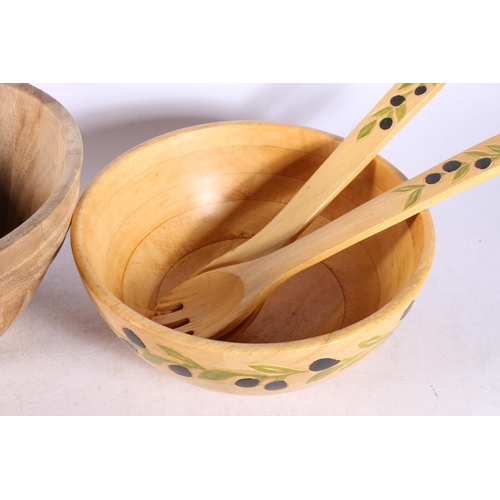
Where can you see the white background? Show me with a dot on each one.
(60, 358)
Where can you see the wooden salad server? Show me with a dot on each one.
(393, 111)
(215, 302)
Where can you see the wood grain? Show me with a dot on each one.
(40, 161)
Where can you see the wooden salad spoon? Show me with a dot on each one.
(215, 302)
(392, 112)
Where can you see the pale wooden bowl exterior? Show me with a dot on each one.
(40, 162)
(151, 217)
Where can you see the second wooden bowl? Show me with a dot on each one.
(158, 213)
(40, 164)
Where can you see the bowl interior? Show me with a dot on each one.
(32, 151)
(161, 211)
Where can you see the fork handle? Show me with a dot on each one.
(393, 111)
(463, 171)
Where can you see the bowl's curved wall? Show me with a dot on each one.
(40, 162)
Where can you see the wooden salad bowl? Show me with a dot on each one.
(40, 163)
(162, 211)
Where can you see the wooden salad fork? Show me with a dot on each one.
(212, 304)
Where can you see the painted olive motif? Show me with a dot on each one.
(276, 386)
(386, 123)
(451, 166)
(483, 163)
(397, 100)
(433, 178)
(421, 89)
(133, 338)
(272, 377)
(323, 364)
(247, 382)
(180, 370)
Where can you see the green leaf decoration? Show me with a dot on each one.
(351, 361)
(220, 375)
(366, 130)
(371, 342)
(275, 370)
(406, 94)
(478, 154)
(384, 112)
(413, 198)
(461, 172)
(157, 360)
(401, 112)
(187, 362)
(494, 148)
(412, 187)
(405, 85)
(324, 373)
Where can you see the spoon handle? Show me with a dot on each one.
(395, 109)
(463, 171)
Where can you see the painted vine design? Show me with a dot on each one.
(458, 168)
(274, 377)
(396, 111)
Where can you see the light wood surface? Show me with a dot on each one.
(214, 303)
(157, 214)
(40, 163)
(373, 132)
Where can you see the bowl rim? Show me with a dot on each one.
(94, 284)
(72, 163)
